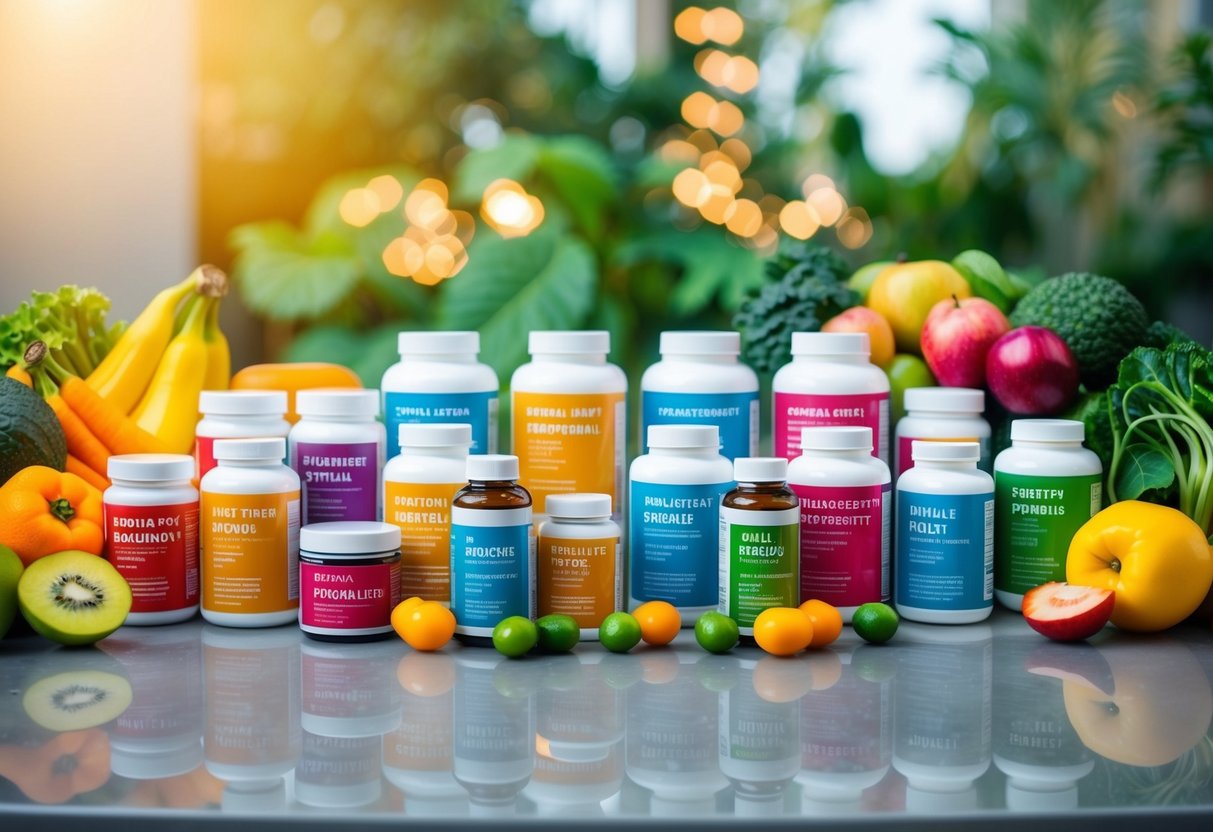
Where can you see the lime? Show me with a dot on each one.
(875, 623)
(515, 636)
(905, 371)
(716, 632)
(558, 633)
(619, 632)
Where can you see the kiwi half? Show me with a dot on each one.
(77, 699)
(73, 597)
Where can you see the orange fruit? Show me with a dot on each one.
(827, 621)
(424, 625)
(659, 622)
(863, 319)
(783, 631)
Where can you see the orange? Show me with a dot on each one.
(659, 622)
(863, 319)
(827, 621)
(783, 631)
(424, 625)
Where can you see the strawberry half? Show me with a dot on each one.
(1064, 612)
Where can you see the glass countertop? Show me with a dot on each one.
(985, 722)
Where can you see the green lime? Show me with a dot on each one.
(875, 623)
(905, 371)
(619, 632)
(716, 632)
(515, 636)
(558, 633)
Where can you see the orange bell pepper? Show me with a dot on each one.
(43, 511)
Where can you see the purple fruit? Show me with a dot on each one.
(1032, 372)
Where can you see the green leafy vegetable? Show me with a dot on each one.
(987, 279)
(71, 320)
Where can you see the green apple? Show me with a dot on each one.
(10, 572)
(905, 371)
(863, 278)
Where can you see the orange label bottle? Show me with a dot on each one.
(579, 560)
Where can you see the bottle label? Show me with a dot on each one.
(336, 685)
(348, 600)
(250, 552)
(581, 577)
(844, 543)
(476, 409)
(945, 550)
(423, 513)
(204, 455)
(570, 443)
(492, 567)
(905, 450)
(340, 480)
(155, 548)
(794, 411)
(736, 414)
(674, 542)
(1035, 519)
(759, 563)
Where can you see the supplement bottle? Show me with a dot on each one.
(1046, 486)
(250, 536)
(699, 381)
(492, 549)
(438, 379)
(945, 536)
(151, 534)
(674, 528)
(349, 580)
(418, 486)
(580, 560)
(846, 513)
(759, 542)
(569, 417)
(236, 414)
(943, 414)
(830, 382)
(338, 448)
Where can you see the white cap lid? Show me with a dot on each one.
(684, 436)
(338, 402)
(830, 343)
(701, 343)
(263, 447)
(926, 451)
(838, 438)
(349, 537)
(242, 402)
(588, 341)
(1021, 799)
(438, 343)
(486, 467)
(946, 399)
(1048, 430)
(760, 469)
(150, 467)
(578, 505)
(422, 435)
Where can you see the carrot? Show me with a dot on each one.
(86, 473)
(81, 443)
(112, 427)
(18, 373)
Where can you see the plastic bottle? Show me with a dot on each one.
(1046, 486)
(438, 379)
(236, 414)
(674, 530)
(338, 448)
(580, 560)
(830, 382)
(699, 381)
(946, 414)
(945, 536)
(846, 515)
(569, 412)
(349, 580)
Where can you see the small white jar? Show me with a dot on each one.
(338, 448)
(579, 561)
(236, 414)
(945, 536)
(943, 414)
(699, 381)
(151, 534)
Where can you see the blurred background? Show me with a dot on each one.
(363, 166)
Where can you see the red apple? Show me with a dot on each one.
(1032, 372)
(956, 337)
(1065, 612)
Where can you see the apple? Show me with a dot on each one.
(905, 293)
(957, 336)
(1065, 612)
(1032, 372)
(863, 319)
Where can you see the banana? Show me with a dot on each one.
(169, 408)
(218, 355)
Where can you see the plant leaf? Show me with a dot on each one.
(514, 158)
(1143, 468)
(712, 267)
(582, 175)
(986, 278)
(284, 277)
(366, 353)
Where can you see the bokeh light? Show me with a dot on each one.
(434, 244)
(359, 207)
(799, 219)
(509, 209)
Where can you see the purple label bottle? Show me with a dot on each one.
(338, 448)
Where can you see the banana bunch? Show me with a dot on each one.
(168, 355)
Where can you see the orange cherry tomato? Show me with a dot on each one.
(424, 625)
(659, 622)
(783, 631)
(827, 621)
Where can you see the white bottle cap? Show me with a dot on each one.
(422, 435)
(700, 343)
(347, 403)
(926, 451)
(438, 343)
(561, 342)
(242, 402)
(349, 537)
(150, 467)
(760, 469)
(830, 343)
(492, 467)
(946, 399)
(1047, 430)
(264, 447)
(684, 436)
(841, 438)
(578, 505)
